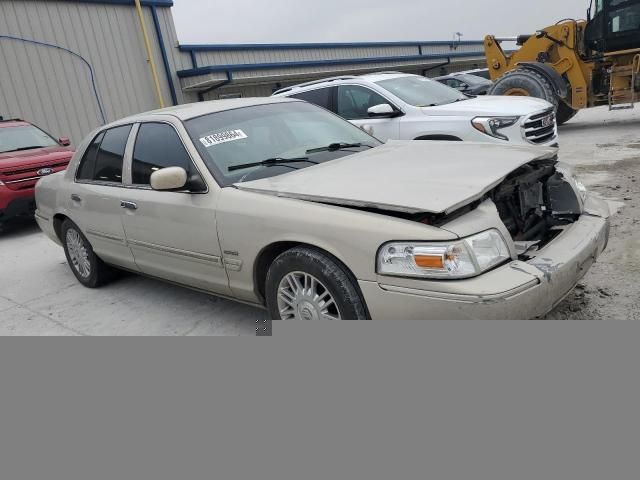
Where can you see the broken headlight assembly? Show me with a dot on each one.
(570, 177)
(582, 190)
(458, 259)
(492, 125)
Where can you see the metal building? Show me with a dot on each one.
(223, 70)
(70, 66)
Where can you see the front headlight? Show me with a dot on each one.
(459, 259)
(492, 125)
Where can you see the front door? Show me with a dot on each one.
(173, 235)
(353, 103)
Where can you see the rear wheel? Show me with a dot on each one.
(306, 284)
(565, 113)
(525, 83)
(85, 264)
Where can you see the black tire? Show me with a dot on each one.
(529, 81)
(99, 272)
(330, 273)
(565, 113)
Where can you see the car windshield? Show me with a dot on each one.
(421, 92)
(472, 79)
(269, 135)
(23, 137)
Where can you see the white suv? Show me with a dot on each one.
(398, 106)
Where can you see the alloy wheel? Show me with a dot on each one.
(78, 253)
(302, 296)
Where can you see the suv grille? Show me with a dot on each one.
(540, 127)
(24, 178)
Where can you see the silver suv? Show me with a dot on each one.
(398, 106)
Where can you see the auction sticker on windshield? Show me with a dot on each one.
(223, 137)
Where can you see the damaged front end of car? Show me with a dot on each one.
(537, 202)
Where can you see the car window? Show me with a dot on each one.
(354, 101)
(88, 163)
(421, 92)
(102, 162)
(24, 137)
(320, 97)
(279, 130)
(111, 155)
(472, 79)
(158, 146)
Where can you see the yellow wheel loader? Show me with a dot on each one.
(574, 64)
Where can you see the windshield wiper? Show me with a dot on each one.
(24, 148)
(269, 162)
(338, 146)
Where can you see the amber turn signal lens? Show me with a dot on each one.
(429, 261)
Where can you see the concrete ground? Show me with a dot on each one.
(40, 296)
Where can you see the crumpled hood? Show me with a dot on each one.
(405, 176)
(491, 105)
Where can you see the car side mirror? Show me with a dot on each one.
(171, 178)
(64, 141)
(382, 110)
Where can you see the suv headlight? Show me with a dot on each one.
(492, 125)
(459, 259)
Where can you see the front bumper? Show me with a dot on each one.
(518, 290)
(13, 204)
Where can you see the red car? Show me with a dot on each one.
(26, 154)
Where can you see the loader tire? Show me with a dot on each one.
(527, 83)
(565, 113)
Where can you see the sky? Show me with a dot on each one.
(289, 21)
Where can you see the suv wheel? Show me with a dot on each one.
(85, 264)
(306, 284)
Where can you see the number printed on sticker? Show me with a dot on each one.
(222, 137)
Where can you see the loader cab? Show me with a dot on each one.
(613, 25)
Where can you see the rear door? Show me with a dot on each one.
(353, 103)
(173, 235)
(94, 200)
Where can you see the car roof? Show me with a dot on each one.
(13, 123)
(368, 77)
(193, 110)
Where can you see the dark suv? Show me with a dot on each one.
(27, 154)
(466, 83)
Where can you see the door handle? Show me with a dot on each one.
(75, 198)
(128, 205)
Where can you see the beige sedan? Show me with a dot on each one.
(279, 203)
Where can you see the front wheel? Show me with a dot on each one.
(85, 264)
(306, 284)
